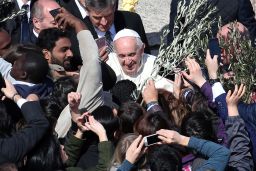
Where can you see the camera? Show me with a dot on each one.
(187, 95)
(151, 139)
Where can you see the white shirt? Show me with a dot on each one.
(35, 33)
(112, 31)
(143, 73)
(82, 10)
(20, 3)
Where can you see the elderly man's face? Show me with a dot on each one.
(47, 20)
(102, 19)
(129, 54)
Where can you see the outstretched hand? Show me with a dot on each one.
(232, 99)
(211, 64)
(135, 150)
(150, 92)
(74, 99)
(96, 127)
(195, 74)
(170, 136)
(65, 19)
(9, 91)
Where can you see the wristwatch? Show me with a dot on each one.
(212, 81)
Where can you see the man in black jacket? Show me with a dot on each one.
(14, 148)
(103, 19)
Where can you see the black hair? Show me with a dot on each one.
(122, 91)
(199, 124)
(46, 155)
(150, 123)
(164, 158)
(6, 125)
(52, 110)
(128, 114)
(61, 88)
(35, 65)
(48, 37)
(105, 116)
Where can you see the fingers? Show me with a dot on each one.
(136, 141)
(241, 91)
(151, 83)
(141, 144)
(208, 55)
(164, 139)
(236, 95)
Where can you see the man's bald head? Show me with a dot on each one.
(41, 17)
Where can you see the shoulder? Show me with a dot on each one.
(149, 58)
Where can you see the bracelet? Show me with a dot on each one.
(15, 94)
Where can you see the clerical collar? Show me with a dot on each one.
(35, 33)
(101, 34)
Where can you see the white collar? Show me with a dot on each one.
(23, 83)
(20, 3)
(101, 34)
(35, 33)
(82, 10)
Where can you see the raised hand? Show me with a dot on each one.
(65, 19)
(135, 150)
(212, 65)
(232, 99)
(150, 93)
(97, 128)
(10, 92)
(195, 74)
(74, 99)
(170, 136)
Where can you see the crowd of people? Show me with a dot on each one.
(77, 93)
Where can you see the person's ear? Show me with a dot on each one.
(47, 55)
(142, 49)
(36, 24)
(23, 75)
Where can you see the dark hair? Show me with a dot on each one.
(128, 114)
(105, 116)
(34, 64)
(52, 110)
(61, 88)
(150, 123)
(100, 4)
(6, 125)
(48, 37)
(199, 124)
(164, 158)
(46, 155)
(122, 91)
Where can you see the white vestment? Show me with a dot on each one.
(144, 72)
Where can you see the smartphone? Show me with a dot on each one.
(214, 47)
(151, 139)
(2, 81)
(101, 42)
(54, 12)
(86, 119)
